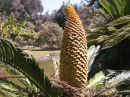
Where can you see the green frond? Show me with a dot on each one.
(98, 35)
(109, 8)
(114, 9)
(119, 21)
(105, 15)
(117, 5)
(14, 71)
(126, 6)
(9, 89)
(116, 37)
(117, 80)
(114, 82)
(14, 56)
(93, 82)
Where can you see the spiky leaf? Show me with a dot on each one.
(14, 56)
(9, 89)
(121, 20)
(116, 37)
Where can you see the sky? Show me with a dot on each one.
(55, 4)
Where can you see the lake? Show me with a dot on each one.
(44, 59)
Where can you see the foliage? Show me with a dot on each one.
(11, 29)
(90, 17)
(114, 54)
(50, 36)
(94, 3)
(14, 56)
(14, 71)
(114, 38)
(60, 16)
(9, 89)
(114, 9)
(113, 57)
(109, 67)
(21, 8)
(24, 10)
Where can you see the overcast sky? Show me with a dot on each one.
(55, 4)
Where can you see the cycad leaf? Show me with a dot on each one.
(14, 56)
(122, 3)
(119, 78)
(122, 20)
(99, 34)
(8, 89)
(105, 15)
(117, 37)
(97, 78)
(126, 7)
(119, 8)
(102, 38)
(99, 30)
(115, 79)
(108, 7)
(92, 52)
(14, 71)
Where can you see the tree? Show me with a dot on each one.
(50, 36)
(60, 16)
(23, 10)
(94, 3)
(90, 17)
(11, 29)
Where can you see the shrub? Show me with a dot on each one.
(49, 36)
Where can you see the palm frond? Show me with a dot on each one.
(14, 71)
(109, 8)
(95, 80)
(14, 56)
(118, 80)
(92, 53)
(98, 35)
(114, 44)
(126, 6)
(115, 58)
(103, 61)
(116, 37)
(117, 5)
(9, 89)
(115, 82)
(105, 15)
(113, 9)
(121, 20)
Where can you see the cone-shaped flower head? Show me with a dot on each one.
(73, 57)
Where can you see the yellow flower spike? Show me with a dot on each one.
(73, 57)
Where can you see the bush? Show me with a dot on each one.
(50, 36)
